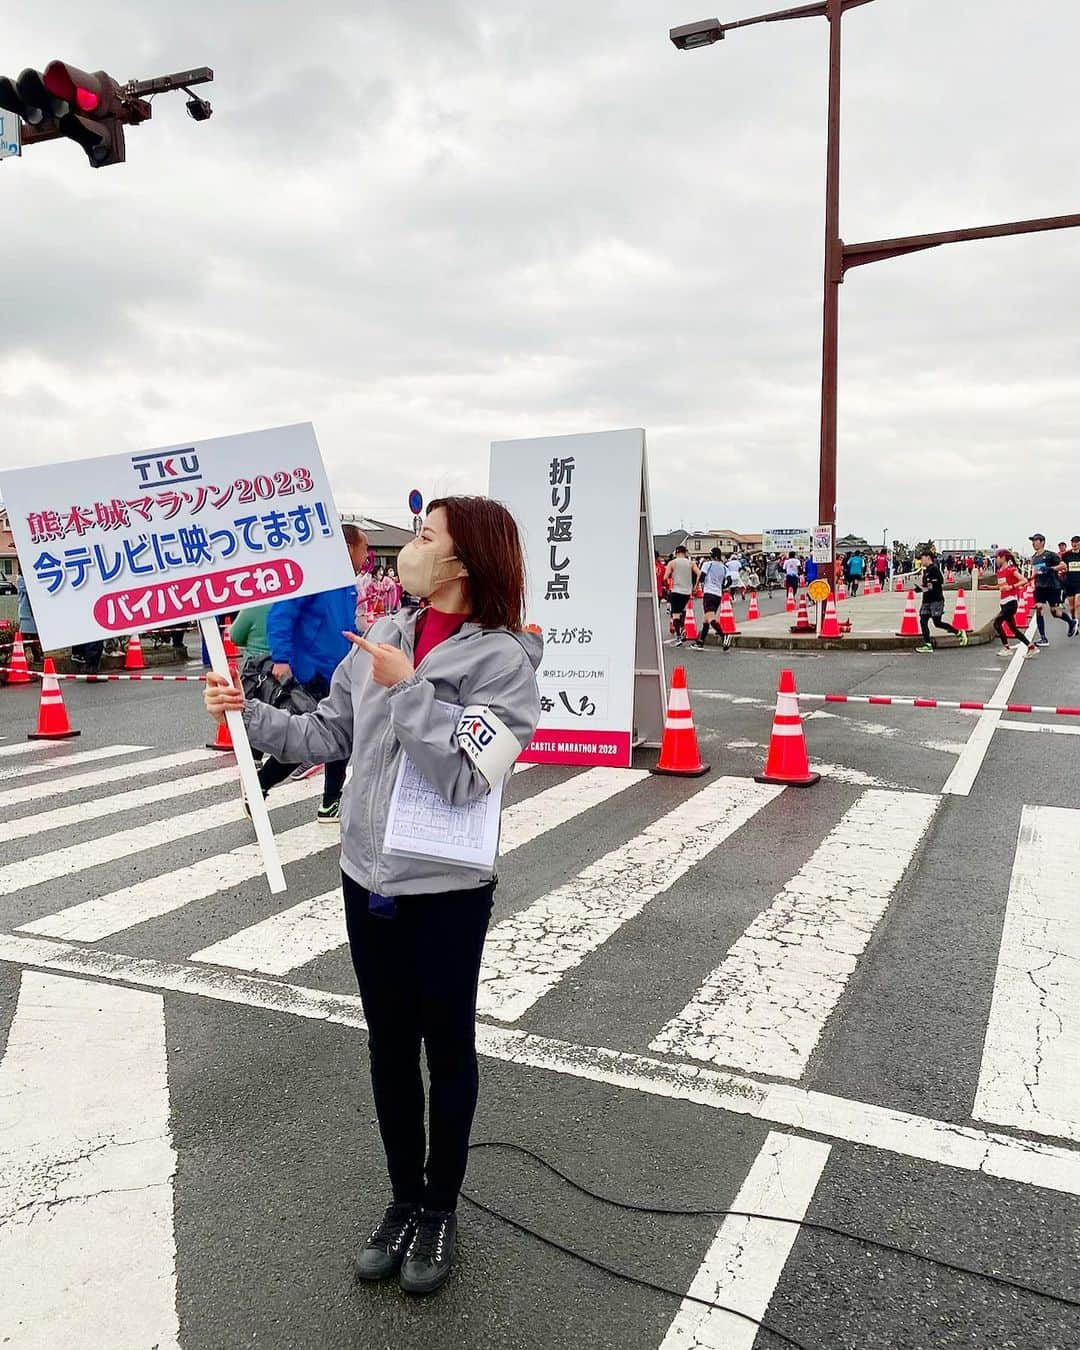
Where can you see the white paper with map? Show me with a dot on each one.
(422, 823)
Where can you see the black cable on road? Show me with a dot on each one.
(508, 1146)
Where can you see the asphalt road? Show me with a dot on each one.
(852, 1075)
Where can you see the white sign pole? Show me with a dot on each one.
(249, 778)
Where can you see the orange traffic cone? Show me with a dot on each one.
(223, 739)
(53, 724)
(910, 625)
(960, 620)
(752, 611)
(679, 754)
(726, 617)
(232, 651)
(690, 629)
(841, 590)
(802, 622)
(133, 657)
(787, 761)
(19, 671)
(830, 625)
(898, 586)
(789, 603)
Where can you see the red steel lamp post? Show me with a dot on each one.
(841, 257)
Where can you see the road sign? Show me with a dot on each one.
(10, 134)
(819, 590)
(416, 502)
(417, 524)
(822, 546)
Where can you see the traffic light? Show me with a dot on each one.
(67, 102)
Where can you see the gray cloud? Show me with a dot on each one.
(428, 225)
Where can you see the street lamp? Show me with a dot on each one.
(840, 257)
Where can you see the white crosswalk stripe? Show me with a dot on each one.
(69, 760)
(312, 928)
(120, 773)
(526, 955)
(765, 1006)
(1029, 1076)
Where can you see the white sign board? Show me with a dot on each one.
(163, 537)
(786, 541)
(581, 503)
(10, 134)
(822, 546)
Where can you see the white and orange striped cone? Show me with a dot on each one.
(909, 626)
(841, 590)
(1023, 610)
(726, 617)
(830, 624)
(690, 628)
(960, 620)
(802, 622)
(19, 671)
(223, 740)
(787, 761)
(232, 651)
(679, 753)
(133, 656)
(53, 724)
(752, 611)
(789, 603)
(898, 586)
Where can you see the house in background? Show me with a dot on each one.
(9, 561)
(386, 541)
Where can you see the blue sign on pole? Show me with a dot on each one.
(416, 502)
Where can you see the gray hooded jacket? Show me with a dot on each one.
(371, 726)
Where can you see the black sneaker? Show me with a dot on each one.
(431, 1252)
(383, 1252)
(698, 645)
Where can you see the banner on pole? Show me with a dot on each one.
(822, 545)
(786, 541)
(160, 538)
(582, 505)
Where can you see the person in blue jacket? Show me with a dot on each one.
(307, 642)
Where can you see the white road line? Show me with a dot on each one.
(134, 801)
(765, 1005)
(120, 773)
(783, 1104)
(746, 1260)
(66, 862)
(315, 927)
(87, 1251)
(1029, 1076)
(526, 955)
(1052, 728)
(527, 820)
(66, 761)
(966, 769)
(101, 916)
(24, 747)
(841, 772)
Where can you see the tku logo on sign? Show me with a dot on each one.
(157, 469)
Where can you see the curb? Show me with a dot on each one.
(869, 642)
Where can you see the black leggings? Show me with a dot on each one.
(926, 619)
(1006, 620)
(418, 971)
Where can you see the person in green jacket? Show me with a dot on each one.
(249, 631)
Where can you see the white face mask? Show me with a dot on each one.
(421, 573)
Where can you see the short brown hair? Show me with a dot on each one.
(487, 542)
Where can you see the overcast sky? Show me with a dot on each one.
(428, 224)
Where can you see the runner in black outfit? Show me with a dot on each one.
(933, 604)
(1071, 558)
(1047, 568)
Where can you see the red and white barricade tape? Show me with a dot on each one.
(886, 700)
(101, 679)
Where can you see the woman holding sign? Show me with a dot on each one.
(420, 684)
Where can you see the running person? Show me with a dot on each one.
(791, 573)
(680, 577)
(416, 924)
(933, 603)
(1071, 580)
(1010, 583)
(712, 577)
(1047, 568)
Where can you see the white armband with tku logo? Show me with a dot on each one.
(487, 741)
